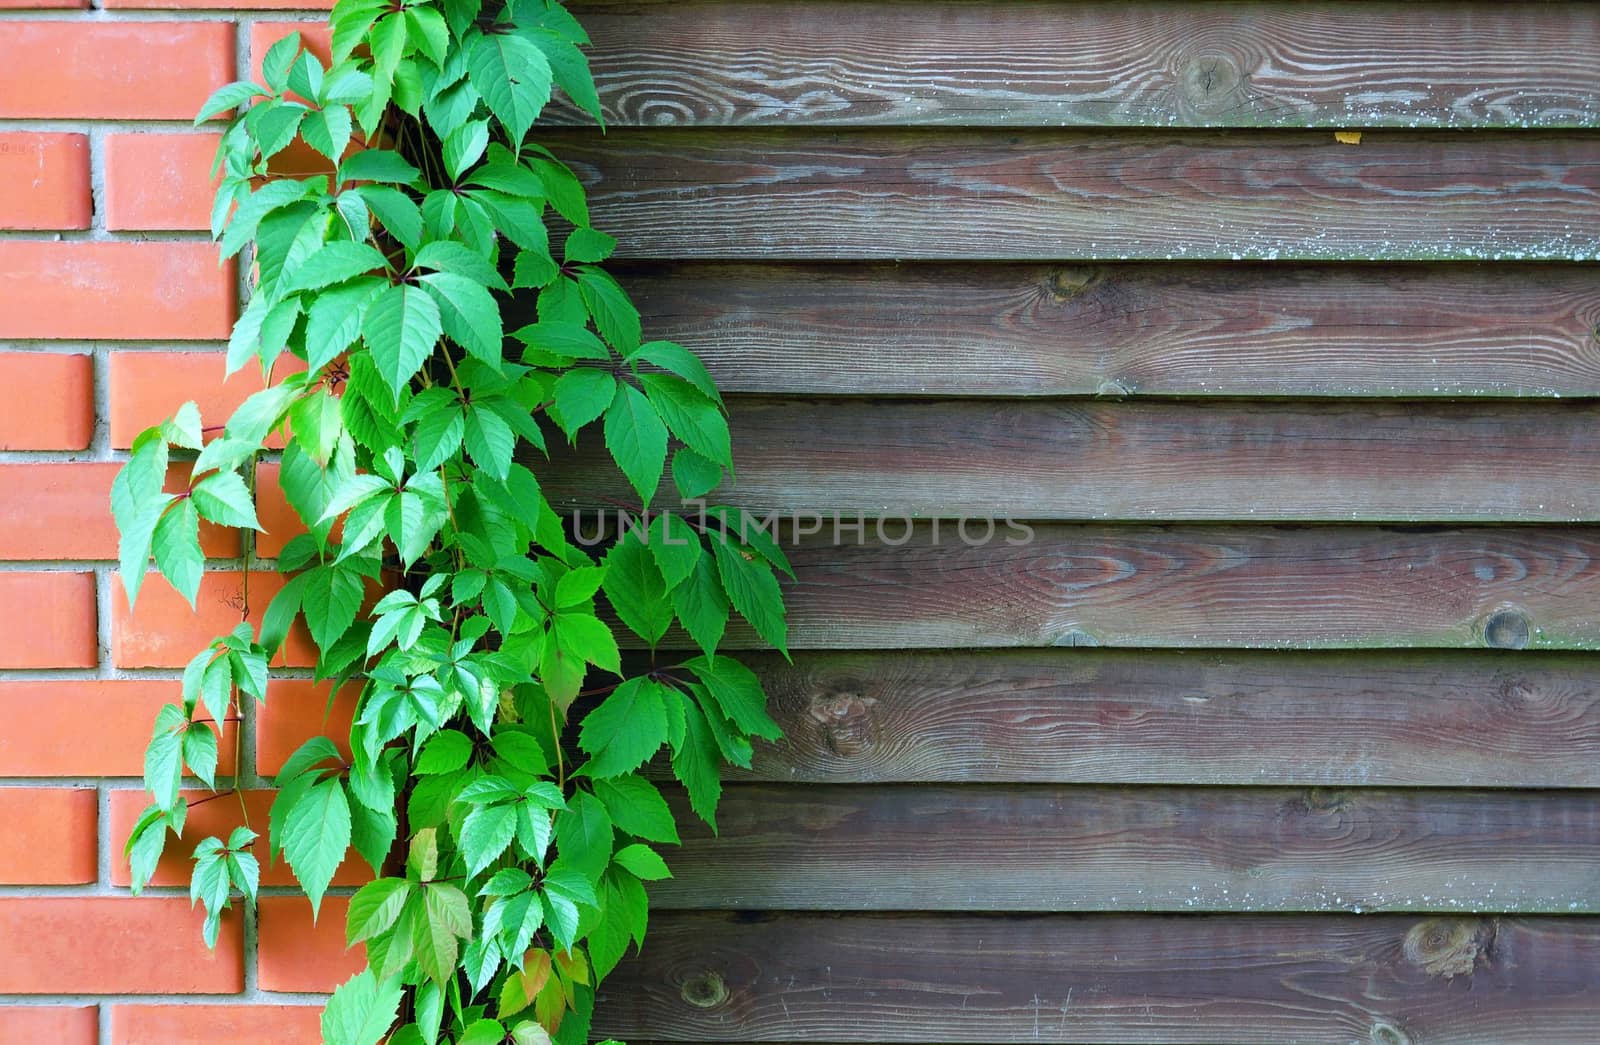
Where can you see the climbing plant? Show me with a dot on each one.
(510, 836)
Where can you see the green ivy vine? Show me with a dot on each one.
(510, 837)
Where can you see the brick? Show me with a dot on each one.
(41, 5)
(121, 291)
(47, 835)
(163, 632)
(148, 387)
(112, 70)
(46, 401)
(58, 740)
(50, 620)
(57, 1025)
(115, 945)
(159, 181)
(297, 710)
(211, 1024)
(44, 181)
(56, 510)
(297, 954)
(213, 816)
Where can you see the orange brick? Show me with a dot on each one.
(297, 955)
(50, 620)
(47, 835)
(115, 945)
(125, 291)
(210, 1024)
(297, 710)
(48, 1023)
(163, 632)
(44, 181)
(159, 181)
(112, 70)
(92, 727)
(54, 510)
(148, 387)
(46, 401)
(214, 815)
(40, 5)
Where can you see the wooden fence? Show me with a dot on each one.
(1269, 323)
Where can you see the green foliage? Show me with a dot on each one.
(511, 838)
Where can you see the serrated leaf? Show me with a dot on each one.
(330, 600)
(581, 395)
(200, 753)
(445, 752)
(316, 835)
(328, 131)
(163, 758)
(514, 78)
(334, 263)
(637, 807)
(584, 835)
(642, 862)
(333, 321)
(362, 1010)
(490, 441)
(626, 728)
(701, 605)
(588, 245)
(637, 440)
(229, 96)
(380, 165)
(374, 908)
(485, 834)
(176, 543)
(753, 590)
(223, 498)
(614, 315)
(469, 314)
(402, 326)
(695, 764)
(690, 416)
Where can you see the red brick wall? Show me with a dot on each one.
(113, 310)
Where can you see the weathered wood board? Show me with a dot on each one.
(1132, 329)
(988, 195)
(1075, 848)
(1086, 716)
(1126, 979)
(1150, 64)
(1196, 461)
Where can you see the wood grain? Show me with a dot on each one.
(1131, 979)
(1034, 330)
(1185, 461)
(1066, 195)
(1239, 587)
(1062, 848)
(1022, 64)
(1370, 718)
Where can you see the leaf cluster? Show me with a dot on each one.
(510, 836)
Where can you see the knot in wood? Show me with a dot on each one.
(1389, 1034)
(1067, 282)
(848, 724)
(1507, 629)
(704, 991)
(1448, 947)
(1211, 83)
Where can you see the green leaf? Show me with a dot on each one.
(200, 753)
(279, 58)
(229, 96)
(469, 313)
(397, 212)
(483, 1032)
(382, 165)
(614, 315)
(701, 605)
(514, 78)
(643, 862)
(753, 590)
(636, 590)
(637, 808)
(589, 245)
(447, 918)
(737, 691)
(490, 441)
(691, 416)
(163, 758)
(695, 764)
(584, 836)
(563, 339)
(330, 600)
(137, 502)
(464, 146)
(693, 475)
(626, 728)
(272, 196)
(485, 834)
(577, 587)
(675, 546)
(177, 547)
(581, 395)
(637, 440)
(445, 752)
(316, 834)
(328, 131)
(375, 907)
(333, 322)
(676, 359)
(362, 1010)
(334, 263)
(402, 325)
(449, 256)
(223, 498)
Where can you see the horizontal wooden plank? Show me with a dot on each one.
(1373, 718)
(1203, 330)
(1187, 461)
(1148, 64)
(1240, 587)
(1063, 848)
(1071, 195)
(1131, 979)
